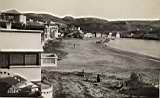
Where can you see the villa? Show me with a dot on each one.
(12, 16)
(20, 52)
(22, 56)
(21, 59)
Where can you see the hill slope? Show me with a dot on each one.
(95, 24)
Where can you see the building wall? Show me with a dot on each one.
(29, 73)
(54, 31)
(98, 35)
(20, 41)
(22, 19)
(118, 35)
(51, 32)
(88, 35)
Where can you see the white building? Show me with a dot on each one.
(20, 52)
(118, 35)
(110, 35)
(22, 18)
(51, 31)
(98, 35)
(88, 35)
(13, 15)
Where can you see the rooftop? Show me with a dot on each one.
(13, 11)
(20, 41)
(22, 31)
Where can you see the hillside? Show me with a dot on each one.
(150, 29)
(91, 24)
(43, 17)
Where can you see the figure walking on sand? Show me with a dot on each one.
(98, 78)
(74, 45)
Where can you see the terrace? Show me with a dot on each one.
(48, 59)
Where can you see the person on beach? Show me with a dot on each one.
(98, 78)
(74, 45)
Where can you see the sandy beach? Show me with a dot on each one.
(113, 65)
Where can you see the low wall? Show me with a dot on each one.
(49, 60)
(5, 73)
(47, 92)
(30, 73)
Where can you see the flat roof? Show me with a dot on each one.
(22, 31)
(13, 11)
(21, 50)
(20, 42)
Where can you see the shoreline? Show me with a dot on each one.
(132, 52)
(144, 56)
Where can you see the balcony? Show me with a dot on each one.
(48, 60)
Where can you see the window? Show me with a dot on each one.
(3, 60)
(16, 59)
(7, 59)
(30, 59)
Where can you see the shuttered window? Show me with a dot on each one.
(3, 60)
(30, 59)
(16, 59)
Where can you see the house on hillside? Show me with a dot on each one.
(118, 35)
(88, 35)
(50, 32)
(12, 16)
(110, 35)
(115, 34)
(98, 34)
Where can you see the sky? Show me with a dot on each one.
(107, 9)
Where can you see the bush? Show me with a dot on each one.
(54, 46)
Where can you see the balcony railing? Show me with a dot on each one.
(48, 59)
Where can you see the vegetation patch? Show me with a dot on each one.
(72, 85)
(55, 46)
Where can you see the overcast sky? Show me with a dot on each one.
(109, 9)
